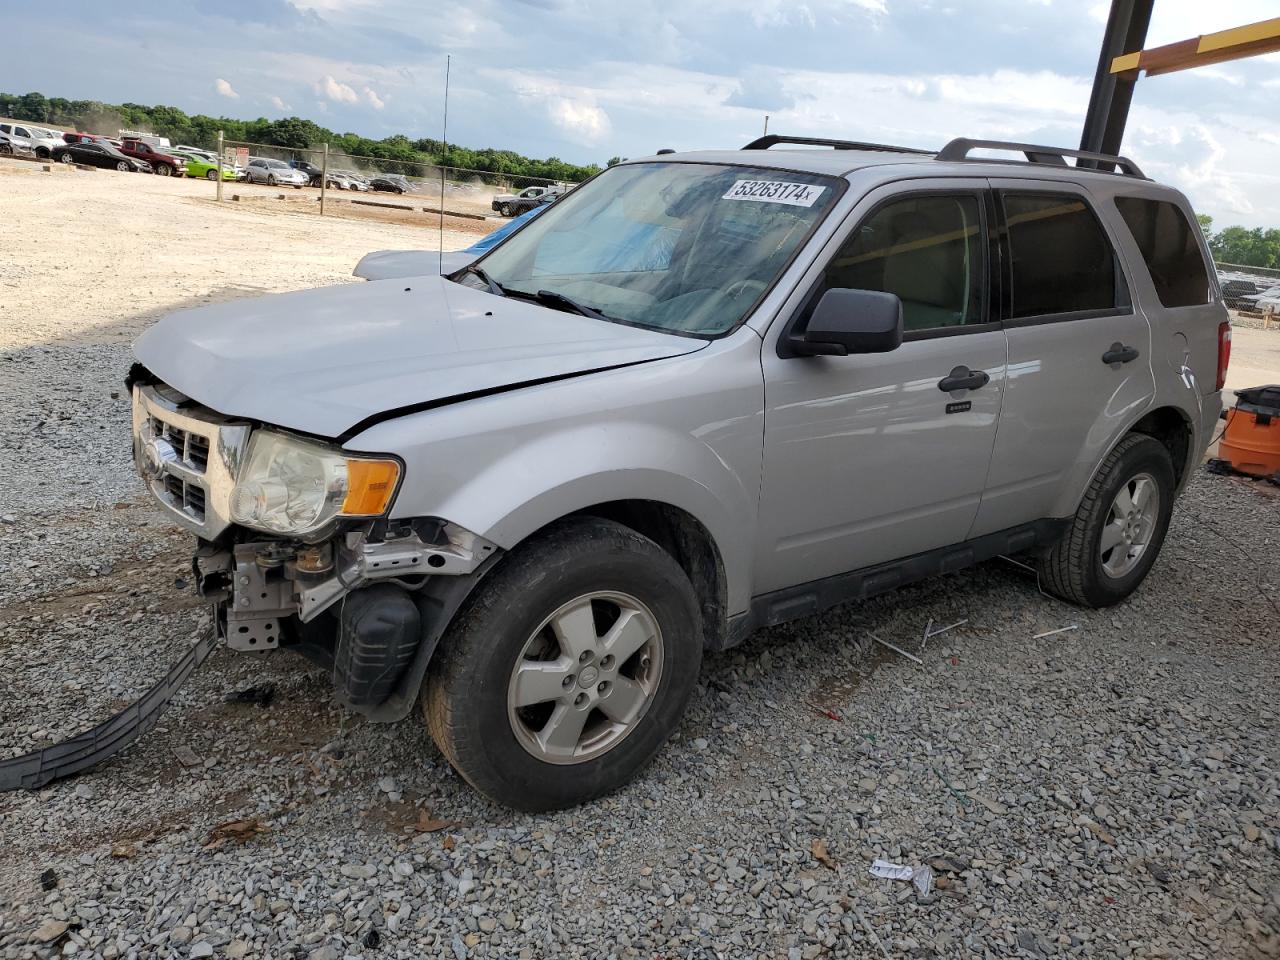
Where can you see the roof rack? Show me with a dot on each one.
(773, 139)
(960, 147)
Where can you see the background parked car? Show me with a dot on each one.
(164, 164)
(389, 183)
(203, 165)
(96, 154)
(42, 141)
(310, 169)
(16, 146)
(272, 172)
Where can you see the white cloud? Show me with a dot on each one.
(336, 91)
(581, 120)
(279, 104)
(225, 89)
(374, 100)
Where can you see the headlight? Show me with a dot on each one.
(295, 487)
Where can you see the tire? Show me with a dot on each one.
(211, 175)
(506, 210)
(271, 179)
(41, 152)
(471, 698)
(1077, 568)
(66, 157)
(122, 166)
(163, 170)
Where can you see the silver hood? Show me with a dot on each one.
(385, 264)
(322, 361)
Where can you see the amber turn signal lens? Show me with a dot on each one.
(370, 486)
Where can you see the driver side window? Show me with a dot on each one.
(928, 250)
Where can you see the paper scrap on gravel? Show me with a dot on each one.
(921, 876)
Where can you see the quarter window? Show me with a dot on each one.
(1061, 259)
(1169, 248)
(927, 249)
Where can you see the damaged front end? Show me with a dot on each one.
(294, 547)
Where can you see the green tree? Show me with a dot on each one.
(1250, 248)
(32, 106)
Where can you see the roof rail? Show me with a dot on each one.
(773, 139)
(959, 148)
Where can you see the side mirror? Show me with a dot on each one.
(850, 321)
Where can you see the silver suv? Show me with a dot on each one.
(702, 394)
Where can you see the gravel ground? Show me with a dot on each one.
(1109, 791)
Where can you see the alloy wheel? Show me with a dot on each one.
(1131, 521)
(585, 678)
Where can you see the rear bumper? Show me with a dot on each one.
(1210, 418)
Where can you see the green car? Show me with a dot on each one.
(199, 165)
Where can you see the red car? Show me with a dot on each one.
(161, 162)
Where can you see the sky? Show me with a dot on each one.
(587, 80)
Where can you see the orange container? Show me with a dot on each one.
(1251, 443)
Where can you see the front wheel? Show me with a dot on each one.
(569, 667)
(164, 170)
(122, 166)
(506, 210)
(1119, 527)
(271, 180)
(211, 175)
(41, 152)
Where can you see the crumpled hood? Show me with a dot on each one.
(321, 361)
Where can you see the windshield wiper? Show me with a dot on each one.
(494, 286)
(551, 297)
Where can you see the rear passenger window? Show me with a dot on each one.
(1062, 262)
(928, 250)
(1169, 248)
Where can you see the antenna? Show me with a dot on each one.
(444, 149)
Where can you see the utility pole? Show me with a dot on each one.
(766, 124)
(221, 161)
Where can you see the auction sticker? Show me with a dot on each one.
(775, 191)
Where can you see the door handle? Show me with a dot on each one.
(962, 378)
(1119, 353)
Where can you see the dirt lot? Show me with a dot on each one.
(1110, 791)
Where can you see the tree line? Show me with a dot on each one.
(292, 133)
(1256, 247)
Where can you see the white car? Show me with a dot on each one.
(273, 172)
(41, 141)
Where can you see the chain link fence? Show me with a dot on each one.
(1242, 285)
(374, 181)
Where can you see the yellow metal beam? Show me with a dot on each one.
(1234, 44)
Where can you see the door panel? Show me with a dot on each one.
(863, 461)
(1063, 405)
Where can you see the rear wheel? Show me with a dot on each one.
(66, 157)
(1116, 534)
(568, 669)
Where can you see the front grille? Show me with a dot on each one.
(189, 456)
(184, 496)
(191, 447)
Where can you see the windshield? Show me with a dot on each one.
(682, 247)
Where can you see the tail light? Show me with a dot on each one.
(1224, 353)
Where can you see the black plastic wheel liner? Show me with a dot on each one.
(85, 750)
